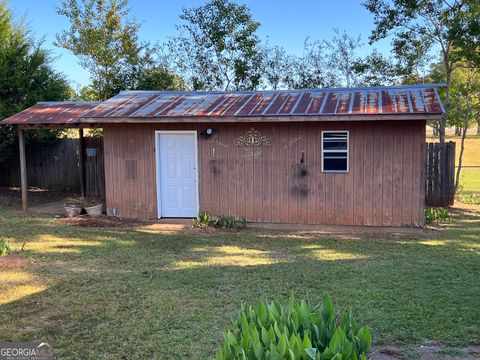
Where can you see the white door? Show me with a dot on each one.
(177, 176)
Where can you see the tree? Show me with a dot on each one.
(106, 42)
(311, 70)
(26, 77)
(465, 109)
(277, 67)
(218, 48)
(418, 26)
(342, 57)
(376, 70)
(86, 93)
(159, 78)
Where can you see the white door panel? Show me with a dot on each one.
(177, 178)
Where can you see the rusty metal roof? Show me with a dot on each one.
(400, 100)
(413, 101)
(60, 113)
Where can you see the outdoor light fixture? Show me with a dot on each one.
(207, 133)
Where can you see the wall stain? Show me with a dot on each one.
(303, 172)
(300, 174)
(301, 190)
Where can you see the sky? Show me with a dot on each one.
(283, 22)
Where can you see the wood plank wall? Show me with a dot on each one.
(384, 187)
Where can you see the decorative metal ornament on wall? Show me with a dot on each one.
(253, 138)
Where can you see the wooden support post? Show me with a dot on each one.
(23, 169)
(81, 163)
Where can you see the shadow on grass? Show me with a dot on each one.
(112, 293)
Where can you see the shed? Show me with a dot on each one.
(353, 156)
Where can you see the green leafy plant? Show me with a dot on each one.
(243, 223)
(443, 215)
(4, 247)
(226, 221)
(440, 215)
(430, 215)
(294, 330)
(203, 220)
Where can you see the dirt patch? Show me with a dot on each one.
(464, 209)
(340, 231)
(11, 196)
(424, 352)
(165, 228)
(12, 262)
(103, 222)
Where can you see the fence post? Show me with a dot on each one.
(81, 165)
(429, 198)
(450, 165)
(23, 169)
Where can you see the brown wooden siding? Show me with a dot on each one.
(384, 185)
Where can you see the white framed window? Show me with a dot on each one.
(335, 151)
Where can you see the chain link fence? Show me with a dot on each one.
(469, 184)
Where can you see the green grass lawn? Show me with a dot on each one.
(104, 293)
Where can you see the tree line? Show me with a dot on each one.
(217, 47)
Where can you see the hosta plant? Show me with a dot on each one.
(294, 330)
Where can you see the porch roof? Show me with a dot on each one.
(51, 113)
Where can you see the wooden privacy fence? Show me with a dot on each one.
(94, 167)
(55, 167)
(440, 174)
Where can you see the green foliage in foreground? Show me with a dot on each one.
(294, 330)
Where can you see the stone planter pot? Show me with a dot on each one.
(72, 210)
(94, 210)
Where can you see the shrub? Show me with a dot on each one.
(205, 220)
(225, 221)
(294, 330)
(4, 248)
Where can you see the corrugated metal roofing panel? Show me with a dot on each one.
(137, 105)
(410, 99)
(51, 113)
(315, 104)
